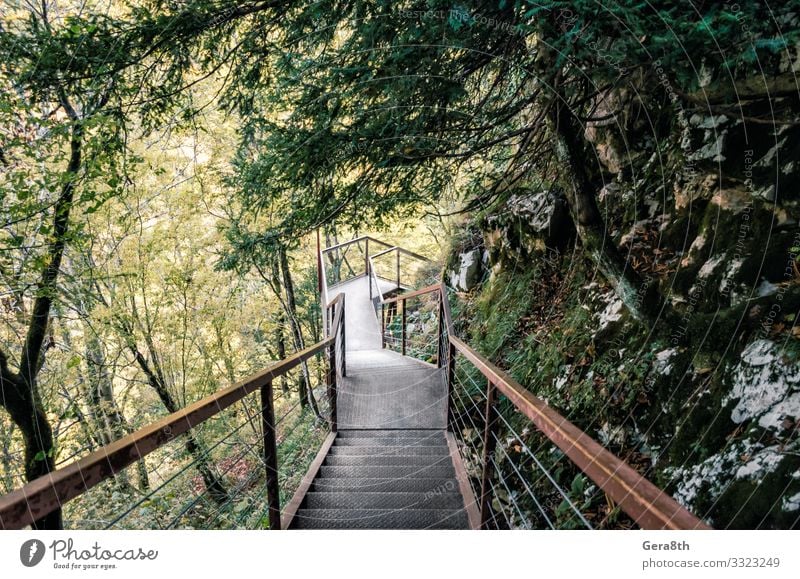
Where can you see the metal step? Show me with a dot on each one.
(409, 485)
(380, 460)
(383, 433)
(437, 471)
(379, 519)
(442, 499)
(391, 441)
(389, 451)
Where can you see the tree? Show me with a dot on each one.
(86, 137)
(412, 97)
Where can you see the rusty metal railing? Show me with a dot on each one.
(505, 432)
(396, 266)
(51, 492)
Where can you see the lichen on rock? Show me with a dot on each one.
(765, 388)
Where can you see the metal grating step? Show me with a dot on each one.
(399, 432)
(379, 519)
(416, 485)
(442, 499)
(381, 460)
(390, 441)
(389, 451)
(438, 471)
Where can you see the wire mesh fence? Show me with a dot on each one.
(519, 477)
(411, 327)
(214, 476)
(345, 262)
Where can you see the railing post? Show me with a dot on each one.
(488, 451)
(332, 382)
(403, 330)
(270, 456)
(344, 339)
(366, 258)
(383, 326)
(451, 374)
(319, 264)
(440, 337)
(398, 269)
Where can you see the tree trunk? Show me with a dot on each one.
(20, 391)
(334, 258)
(21, 400)
(213, 483)
(641, 300)
(297, 330)
(280, 339)
(101, 390)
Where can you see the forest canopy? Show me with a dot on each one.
(164, 166)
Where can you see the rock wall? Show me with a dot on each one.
(706, 207)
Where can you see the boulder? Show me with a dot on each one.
(468, 271)
(528, 224)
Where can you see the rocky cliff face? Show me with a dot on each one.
(706, 208)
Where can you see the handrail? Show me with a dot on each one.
(356, 240)
(363, 238)
(372, 271)
(400, 250)
(646, 504)
(48, 493)
(649, 506)
(412, 294)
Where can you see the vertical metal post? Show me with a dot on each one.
(366, 258)
(344, 339)
(440, 338)
(331, 379)
(398, 269)
(403, 331)
(367, 268)
(319, 264)
(488, 451)
(451, 374)
(270, 456)
(383, 325)
(331, 313)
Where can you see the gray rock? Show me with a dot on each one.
(545, 214)
(469, 272)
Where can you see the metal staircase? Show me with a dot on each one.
(385, 479)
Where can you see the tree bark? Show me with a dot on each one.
(641, 300)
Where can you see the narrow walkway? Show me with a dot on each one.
(390, 466)
(384, 389)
